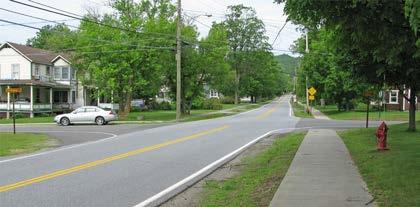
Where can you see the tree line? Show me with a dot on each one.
(358, 46)
(130, 53)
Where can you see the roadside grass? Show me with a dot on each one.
(360, 114)
(299, 111)
(257, 182)
(49, 119)
(20, 143)
(393, 177)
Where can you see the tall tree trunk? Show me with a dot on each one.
(412, 111)
(236, 86)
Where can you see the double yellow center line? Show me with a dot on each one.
(107, 160)
(267, 113)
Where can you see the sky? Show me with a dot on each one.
(270, 13)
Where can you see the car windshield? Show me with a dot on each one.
(210, 103)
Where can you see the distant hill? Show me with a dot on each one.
(287, 62)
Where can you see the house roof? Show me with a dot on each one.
(37, 55)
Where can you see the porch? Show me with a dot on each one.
(35, 98)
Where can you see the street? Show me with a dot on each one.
(72, 177)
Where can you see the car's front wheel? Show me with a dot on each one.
(65, 121)
(100, 120)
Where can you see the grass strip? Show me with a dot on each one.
(257, 182)
(299, 111)
(360, 114)
(393, 177)
(20, 143)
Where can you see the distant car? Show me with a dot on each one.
(86, 114)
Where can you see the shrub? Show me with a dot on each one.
(228, 100)
(153, 105)
(212, 104)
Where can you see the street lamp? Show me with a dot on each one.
(192, 19)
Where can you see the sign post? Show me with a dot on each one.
(311, 92)
(14, 91)
(367, 95)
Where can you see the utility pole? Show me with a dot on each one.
(307, 96)
(178, 62)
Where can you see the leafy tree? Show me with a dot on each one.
(245, 33)
(54, 37)
(375, 38)
(129, 61)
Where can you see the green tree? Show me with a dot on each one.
(54, 37)
(375, 38)
(245, 33)
(131, 61)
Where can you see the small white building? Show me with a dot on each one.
(47, 79)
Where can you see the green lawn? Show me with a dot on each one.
(299, 111)
(393, 176)
(259, 179)
(28, 120)
(360, 114)
(19, 143)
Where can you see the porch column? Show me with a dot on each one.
(8, 105)
(32, 102)
(51, 100)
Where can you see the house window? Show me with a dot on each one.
(60, 97)
(15, 71)
(36, 70)
(64, 73)
(48, 71)
(73, 74)
(0, 71)
(393, 97)
(73, 96)
(57, 73)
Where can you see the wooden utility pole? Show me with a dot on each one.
(178, 62)
(306, 83)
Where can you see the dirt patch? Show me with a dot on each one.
(191, 197)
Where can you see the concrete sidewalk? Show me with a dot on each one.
(322, 174)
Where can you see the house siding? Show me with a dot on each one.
(9, 57)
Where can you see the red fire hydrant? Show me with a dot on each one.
(381, 136)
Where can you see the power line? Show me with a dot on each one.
(55, 8)
(98, 40)
(278, 33)
(23, 25)
(39, 18)
(40, 22)
(91, 21)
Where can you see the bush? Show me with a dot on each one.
(153, 105)
(197, 103)
(228, 100)
(212, 104)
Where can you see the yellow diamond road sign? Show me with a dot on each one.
(312, 91)
(311, 98)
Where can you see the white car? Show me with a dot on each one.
(86, 114)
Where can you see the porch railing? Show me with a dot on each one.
(26, 107)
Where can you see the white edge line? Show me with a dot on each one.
(113, 136)
(203, 170)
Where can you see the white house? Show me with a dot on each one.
(48, 81)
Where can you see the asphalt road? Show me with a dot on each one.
(76, 134)
(136, 166)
